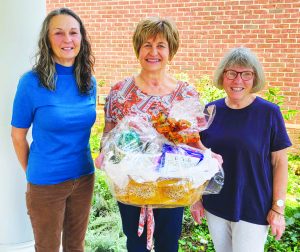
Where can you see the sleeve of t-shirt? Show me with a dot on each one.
(22, 114)
(279, 137)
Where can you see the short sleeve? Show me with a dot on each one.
(22, 114)
(114, 102)
(279, 137)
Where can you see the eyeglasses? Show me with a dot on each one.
(231, 75)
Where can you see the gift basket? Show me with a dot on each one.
(149, 163)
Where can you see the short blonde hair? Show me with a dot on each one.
(244, 57)
(151, 27)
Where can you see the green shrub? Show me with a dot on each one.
(105, 234)
(194, 237)
(105, 226)
(208, 92)
(273, 95)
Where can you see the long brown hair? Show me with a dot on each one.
(45, 64)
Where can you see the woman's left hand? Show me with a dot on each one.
(277, 223)
(197, 211)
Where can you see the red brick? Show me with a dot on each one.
(207, 30)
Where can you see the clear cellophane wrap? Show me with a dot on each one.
(148, 166)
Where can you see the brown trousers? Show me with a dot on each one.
(60, 209)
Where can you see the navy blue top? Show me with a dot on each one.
(245, 138)
(61, 123)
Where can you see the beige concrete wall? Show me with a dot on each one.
(20, 23)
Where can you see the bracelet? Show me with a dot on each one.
(277, 212)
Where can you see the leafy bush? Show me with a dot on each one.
(194, 237)
(105, 227)
(95, 139)
(208, 92)
(273, 95)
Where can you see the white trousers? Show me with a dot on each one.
(241, 236)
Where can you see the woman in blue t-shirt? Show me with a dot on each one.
(57, 98)
(250, 134)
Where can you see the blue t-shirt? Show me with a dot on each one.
(245, 138)
(61, 125)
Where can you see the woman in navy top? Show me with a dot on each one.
(250, 134)
(57, 98)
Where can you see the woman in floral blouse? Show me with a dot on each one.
(147, 94)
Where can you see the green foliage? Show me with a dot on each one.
(208, 92)
(194, 237)
(273, 95)
(294, 173)
(101, 83)
(105, 227)
(96, 135)
(95, 141)
(103, 202)
(105, 234)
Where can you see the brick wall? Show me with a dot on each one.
(294, 134)
(207, 30)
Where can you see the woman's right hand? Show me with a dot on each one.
(197, 211)
(99, 161)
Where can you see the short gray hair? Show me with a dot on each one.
(244, 57)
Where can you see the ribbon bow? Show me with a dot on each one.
(147, 215)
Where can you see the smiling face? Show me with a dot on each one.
(65, 39)
(154, 54)
(238, 90)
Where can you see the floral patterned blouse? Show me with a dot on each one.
(125, 98)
